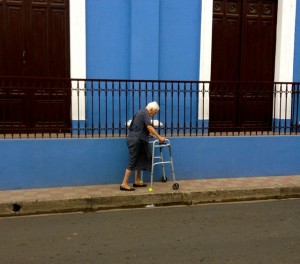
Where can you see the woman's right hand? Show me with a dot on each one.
(161, 139)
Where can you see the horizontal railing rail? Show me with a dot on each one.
(54, 108)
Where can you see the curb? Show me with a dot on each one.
(92, 204)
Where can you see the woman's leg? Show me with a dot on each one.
(137, 180)
(126, 179)
(137, 177)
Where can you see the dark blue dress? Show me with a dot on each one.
(137, 142)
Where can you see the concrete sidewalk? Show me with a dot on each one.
(100, 197)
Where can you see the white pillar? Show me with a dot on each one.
(284, 59)
(78, 56)
(205, 56)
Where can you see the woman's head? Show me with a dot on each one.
(152, 108)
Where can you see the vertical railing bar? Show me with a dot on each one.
(191, 107)
(133, 101)
(139, 95)
(178, 103)
(166, 101)
(153, 89)
(227, 99)
(159, 102)
(34, 90)
(5, 90)
(146, 91)
(119, 106)
(77, 90)
(99, 107)
(184, 108)
(295, 117)
(126, 110)
(297, 108)
(297, 113)
(78, 107)
(53, 92)
(86, 106)
(172, 108)
(92, 93)
(62, 90)
(106, 103)
(69, 95)
(292, 124)
(274, 109)
(197, 107)
(203, 91)
(28, 91)
(280, 106)
(48, 90)
(289, 99)
(59, 87)
(113, 109)
(5, 126)
(204, 85)
(285, 107)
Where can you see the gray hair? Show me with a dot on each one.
(153, 105)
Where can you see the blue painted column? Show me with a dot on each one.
(179, 39)
(108, 39)
(144, 49)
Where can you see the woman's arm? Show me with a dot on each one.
(153, 132)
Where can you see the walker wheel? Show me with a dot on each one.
(164, 179)
(175, 186)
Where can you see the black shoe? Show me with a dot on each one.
(140, 185)
(126, 189)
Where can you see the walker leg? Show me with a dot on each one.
(152, 165)
(172, 165)
(164, 178)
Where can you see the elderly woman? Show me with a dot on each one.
(137, 142)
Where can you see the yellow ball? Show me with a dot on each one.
(150, 189)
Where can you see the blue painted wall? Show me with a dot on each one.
(70, 162)
(149, 39)
(297, 45)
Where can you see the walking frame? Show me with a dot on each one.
(158, 159)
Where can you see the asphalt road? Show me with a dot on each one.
(253, 232)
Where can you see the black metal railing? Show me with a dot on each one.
(48, 107)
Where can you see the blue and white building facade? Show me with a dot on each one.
(153, 40)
